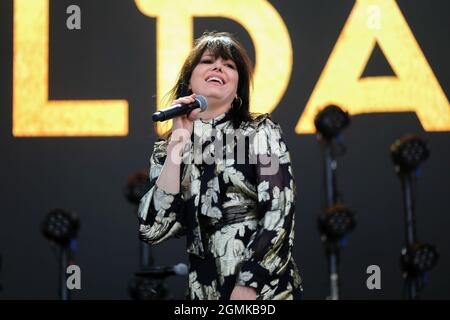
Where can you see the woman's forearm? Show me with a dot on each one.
(169, 179)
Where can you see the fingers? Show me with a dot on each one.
(185, 100)
(193, 114)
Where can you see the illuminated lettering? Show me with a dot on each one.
(266, 28)
(415, 87)
(33, 113)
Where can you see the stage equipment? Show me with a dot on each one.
(61, 228)
(137, 186)
(148, 282)
(417, 258)
(336, 221)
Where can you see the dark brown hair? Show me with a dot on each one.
(226, 46)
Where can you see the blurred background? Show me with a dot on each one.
(83, 166)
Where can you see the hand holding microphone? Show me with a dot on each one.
(183, 112)
(181, 107)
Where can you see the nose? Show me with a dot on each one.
(217, 65)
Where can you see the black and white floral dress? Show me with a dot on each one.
(237, 213)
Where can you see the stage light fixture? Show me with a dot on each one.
(60, 226)
(419, 258)
(138, 184)
(330, 121)
(337, 222)
(409, 152)
(147, 289)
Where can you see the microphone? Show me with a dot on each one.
(180, 109)
(163, 272)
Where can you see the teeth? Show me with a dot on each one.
(214, 78)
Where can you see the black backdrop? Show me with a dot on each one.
(113, 57)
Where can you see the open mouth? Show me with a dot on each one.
(215, 79)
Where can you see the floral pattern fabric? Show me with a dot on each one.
(237, 212)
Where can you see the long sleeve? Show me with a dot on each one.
(160, 213)
(270, 248)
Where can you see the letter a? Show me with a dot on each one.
(415, 87)
(74, 20)
(74, 280)
(374, 281)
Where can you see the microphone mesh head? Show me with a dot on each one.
(202, 102)
(181, 269)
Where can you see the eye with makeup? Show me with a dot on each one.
(210, 61)
(231, 65)
(206, 60)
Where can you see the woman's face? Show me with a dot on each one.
(216, 79)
